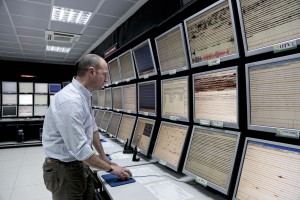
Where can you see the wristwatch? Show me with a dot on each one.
(111, 169)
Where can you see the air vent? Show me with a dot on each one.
(62, 37)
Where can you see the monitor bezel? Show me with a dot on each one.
(174, 167)
(251, 126)
(115, 82)
(133, 66)
(105, 130)
(132, 131)
(210, 184)
(2, 110)
(25, 106)
(34, 114)
(145, 76)
(111, 102)
(206, 10)
(138, 100)
(9, 92)
(46, 84)
(225, 124)
(97, 93)
(114, 135)
(54, 84)
(183, 68)
(31, 83)
(126, 110)
(34, 95)
(122, 102)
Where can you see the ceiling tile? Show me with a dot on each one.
(11, 50)
(102, 21)
(29, 22)
(115, 7)
(8, 38)
(32, 40)
(82, 46)
(86, 39)
(66, 27)
(33, 47)
(41, 1)
(35, 52)
(10, 54)
(60, 44)
(72, 55)
(9, 44)
(4, 19)
(81, 51)
(7, 30)
(30, 32)
(94, 31)
(2, 8)
(86, 5)
(55, 54)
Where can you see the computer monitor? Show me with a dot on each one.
(216, 98)
(51, 96)
(105, 121)
(143, 134)
(108, 80)
(117, 94)
(65, 83)
(129, 98)
(102, 98)
(41, 87)
(114, 124)
(108, 99)
(268, 170)
(99, 116)
(25, 111)
(126, 128)
(9, 87)
(280, 24)
(25, 87)
(54, 88)
(9, 99)
(211, 157)
(144, 60)
(127, 66)
(169, 144)
(272, 94)
(95, 98)
(147, 98)
(115, 75)
(174, 99)
(9, 111)
(170, 46)
(25, 99)
(40, 99)
(211, 36)
(39, 110)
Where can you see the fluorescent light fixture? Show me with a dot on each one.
(58, 49)
(69, 15)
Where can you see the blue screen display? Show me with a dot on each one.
(54, 88)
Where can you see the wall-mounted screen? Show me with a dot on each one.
(126, 128)
(216, 97)
(129, 98)
(175, 101)
(108, 99)
(9, 87)
(211, 34)
(115, 75)
(39, 110)
(41, 87)
(169, 144)
(105, 121)
(95, 98)
(64, 84)
(273, 94)
(117, 94)
(25, 111)
(114, 124)
(40, 99)
(9, 99)
(102, 98)
(25, 99)
(144, 60)
(9, 111)
(147, 98)
(25, 87)
(171, 52)
(99, 117)
(267, 23)
(54, 88)
(127, 66)
(211, 156)
(268, 170)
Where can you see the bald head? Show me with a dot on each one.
(89, 60)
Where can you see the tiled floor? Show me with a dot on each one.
(21, 175)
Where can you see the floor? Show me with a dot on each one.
(21, 176)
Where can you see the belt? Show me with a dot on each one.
(53, 160)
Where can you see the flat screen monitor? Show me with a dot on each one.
(41, 87)
(169, 144)
(9, 111)
(281, 23)
(117, 94)
(25, 99)
(147, 98)
(115, 75)
(108, 80)
(144, 60)
(9, 99)
(9, 87)
(40, 99)
(129, 98)
(211, 156)
(25, 87)
(175, 101)
(126, 128)
(108, 99)
(268, 170)
(54, 88)
(211, 36)
(105, 121)
(114, 124)
(171, 51)
(51, 96)
(216, 97)
(40, 110)
(273, 94)
(127, 66)
(64, 84)
(143, 134)
(99, 116)
(95, 98)
(102, 98)
(25, 111)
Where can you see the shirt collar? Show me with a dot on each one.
(81, 88)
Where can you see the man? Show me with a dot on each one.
(69, 131)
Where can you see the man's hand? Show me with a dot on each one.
(122, 172)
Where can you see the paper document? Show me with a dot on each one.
(119, 156)
(146, 171)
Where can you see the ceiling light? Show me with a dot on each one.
(58, 49)
(69, 15)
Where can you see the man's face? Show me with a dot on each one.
(101, 75)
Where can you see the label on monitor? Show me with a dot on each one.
(171, 72)
(146, 76)
(146, 113)
(138, 149)
(129, 111)
(116, 83)
(184, 68)
(162, 162)
(106, 85)
(217, 124)
(287, 133)
(201, 181)
(204, 122)
(174, 118)
(285, 46)
(118, 110)
(214, 62)
(127, 80)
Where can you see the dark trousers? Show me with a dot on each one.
(68, 181)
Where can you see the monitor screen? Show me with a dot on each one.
(9, 99)
(9, 111)
(211, 156)
(211, 34)
(51, 96)
(272, 93)
(105, 121)
(268, 170)
(129, 98)
(144, 60)
(25, 87)
(281, 23)
(216, 97)
(95, 97)
(142, 134)
(40, 110)
(127, 66)
(53, 88)
(40, 99)
(117, 94)
(64, 84)
(25, 111)
(126, 128)
(147, 98)
(98, 117)
(171, 51)
(115, 75)
(102, 98)
(25, 99)
(9, 87)
(114, 124)
(108, 99)
(169, 144)
(175, 101)
(41, 87)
